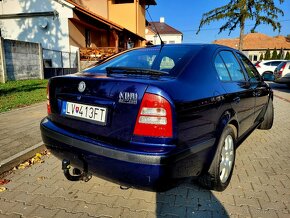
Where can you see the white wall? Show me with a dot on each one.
(166, 38)
(54, 36)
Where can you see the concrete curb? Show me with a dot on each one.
(20, 157)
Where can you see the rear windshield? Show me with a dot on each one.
(170, 59)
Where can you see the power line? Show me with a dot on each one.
(216, 28)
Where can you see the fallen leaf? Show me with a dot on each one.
(38, 155)
(41, 178)
(4, 181)
(2, 189)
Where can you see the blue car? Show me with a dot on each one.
(151, 116)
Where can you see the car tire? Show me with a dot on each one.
(220, 171)
(268, 117)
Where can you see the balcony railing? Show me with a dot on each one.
(97, 54)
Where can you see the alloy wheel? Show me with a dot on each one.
(227, 158)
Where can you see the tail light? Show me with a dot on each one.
(47, 100)
(154, 118)
(257, 64)
(281, 69)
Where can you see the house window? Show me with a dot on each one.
(122, 1)
(255, 58)
(46, 62)
(88, 38)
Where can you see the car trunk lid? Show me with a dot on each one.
(96, 105)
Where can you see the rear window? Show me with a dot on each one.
(169, 59)
(275, 63)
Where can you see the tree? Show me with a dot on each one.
(274, 55)
(287, 57)
(236, 12)
(267, 55)
(280, 54)
(261, 57)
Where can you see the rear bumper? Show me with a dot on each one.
(123, 166)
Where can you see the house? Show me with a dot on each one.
(256, 44)
(167, 33)
(63, 27)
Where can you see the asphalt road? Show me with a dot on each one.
(260, 185)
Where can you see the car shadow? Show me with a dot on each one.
(189, 200)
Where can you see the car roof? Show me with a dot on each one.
(266, 61)
(191, 44)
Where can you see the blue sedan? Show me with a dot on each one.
(151, 116)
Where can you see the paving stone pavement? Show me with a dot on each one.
(19, 129)
(260, 186)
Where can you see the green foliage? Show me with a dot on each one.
(261, 57)
(287, 57)
(280, 54)
(274, 55)
(267, 55)
(236, 12)
(15, 94)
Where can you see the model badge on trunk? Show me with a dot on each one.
(128, 97)
(82, 86)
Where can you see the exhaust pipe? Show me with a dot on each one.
(83, 175)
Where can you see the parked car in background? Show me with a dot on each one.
(149, 116)
(282, 73)
(267, 66)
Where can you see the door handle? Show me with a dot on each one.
(237, 100)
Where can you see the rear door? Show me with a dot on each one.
(240, 93)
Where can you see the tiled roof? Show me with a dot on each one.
(94, 15)
(256, 41)
(162, 28)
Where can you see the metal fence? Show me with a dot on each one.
(58, 63)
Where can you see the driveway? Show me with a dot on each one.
(260, 185)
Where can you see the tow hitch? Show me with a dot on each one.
(78, 174)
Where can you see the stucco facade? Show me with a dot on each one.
(50, 30)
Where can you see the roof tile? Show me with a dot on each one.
(256, 41)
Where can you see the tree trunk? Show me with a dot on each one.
(242, 26)
(241, 41)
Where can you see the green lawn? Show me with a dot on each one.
(15, 94)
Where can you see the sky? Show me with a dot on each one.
(185, 16)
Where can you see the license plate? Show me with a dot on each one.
(85, 112)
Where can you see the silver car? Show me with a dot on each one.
(282, 73)
(267, 66)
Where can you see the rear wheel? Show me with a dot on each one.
(220, 172)
(268, 117)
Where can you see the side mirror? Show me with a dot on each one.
(268, 77)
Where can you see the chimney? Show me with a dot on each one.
(162, 19)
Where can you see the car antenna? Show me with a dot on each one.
(161, 41)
